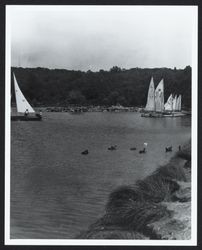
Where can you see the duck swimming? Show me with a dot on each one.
(133, 148)
(142, 151)
(168, 149)
(113, 147)
(85, 152)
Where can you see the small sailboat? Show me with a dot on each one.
(24, 110)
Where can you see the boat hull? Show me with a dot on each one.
(25, 118)
(162, 115)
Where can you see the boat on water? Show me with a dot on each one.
(155, 107)
(25, 112)
(150, 106)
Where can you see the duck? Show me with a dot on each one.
(143, 151)
(85, 152)
(113, 147)
(168, 149)
(134, 148)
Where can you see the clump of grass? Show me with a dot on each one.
(135, 215)
(171, 171)
(157, 188)
(162, 184)
(121, 195)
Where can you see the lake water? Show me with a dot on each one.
(56, 192)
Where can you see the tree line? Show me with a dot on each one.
(127, 87)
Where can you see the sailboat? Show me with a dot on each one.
(155, 100)
(24, 109)
(168, 107)
(150, 106)
(159, 97)
(155, 106)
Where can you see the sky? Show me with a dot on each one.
(100, 37)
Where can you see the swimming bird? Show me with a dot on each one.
(113, 147)
(85, 152)
(133, 148)
(142, 151)
(168, 149)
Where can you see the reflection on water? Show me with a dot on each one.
(55, 191)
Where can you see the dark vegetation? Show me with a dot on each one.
(185, 153)
(59, 87)
(130, 209)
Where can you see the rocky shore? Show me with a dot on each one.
(157, 207)
(90, 108)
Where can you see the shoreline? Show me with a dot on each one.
(157, 207)
(96, 108)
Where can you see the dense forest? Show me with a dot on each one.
(128, 87)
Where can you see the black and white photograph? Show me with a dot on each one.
(101, 125)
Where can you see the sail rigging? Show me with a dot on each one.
(150, 106)
(22, 103)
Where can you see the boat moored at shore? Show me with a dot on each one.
(25, 112)
(155, 107)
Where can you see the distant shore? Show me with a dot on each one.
(157, 207)
(98, 108)
(92, 108)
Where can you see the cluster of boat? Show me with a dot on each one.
(155, 106)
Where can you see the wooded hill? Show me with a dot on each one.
(128, 87)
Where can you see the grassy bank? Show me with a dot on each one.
(157, 207)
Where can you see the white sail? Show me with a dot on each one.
(175, 103)
(178, 104)
(150, 106)
(169, 104)
(159, 97)
(22, 103)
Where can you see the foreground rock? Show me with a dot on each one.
(178, 227)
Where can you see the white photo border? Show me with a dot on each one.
(194, 136)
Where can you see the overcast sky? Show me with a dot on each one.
(83, 38)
